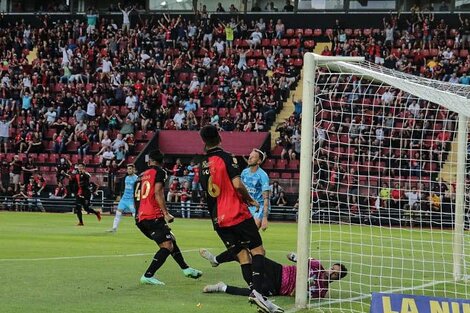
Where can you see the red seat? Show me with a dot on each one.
(262, 64)
(274, 175)
(139, 135)
(251, 62)
(293, 43)
(296, 175)
(130, 159)
(265, 43)
(96, 159)
(50, 133)
(463, 53)
(348, 32)
(73, 146)
(140, 146)
(275, 42)
(52, 158)
(284, 42)
(308, 32)
(286, 175)
(95, 147)
(299, 31)
(298, 62)
(222, 112)
(75, 158)
(87, 159)
(286, 52)
(44, 169)
(317, 32)
(290, 32)
(281, 164)
(42, 158)
(269, 164)
(293, 164)
(309, 44)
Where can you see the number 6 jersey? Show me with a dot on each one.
(225, 206)
(144, 194)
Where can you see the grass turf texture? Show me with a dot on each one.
(49, 265)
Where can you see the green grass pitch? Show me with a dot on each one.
(47, 264)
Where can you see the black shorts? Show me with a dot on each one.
(242, 235)
(156, 230)
(82, 202)
(272, 278)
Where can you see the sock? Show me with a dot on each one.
(158, 260)
(258, 272)
(90, 210)
(247, 274)
(117, 219)
(237, 291)
(79, 214)
(178, 256)
(225, 257)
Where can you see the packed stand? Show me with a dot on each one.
(363, 170)
(94, 91)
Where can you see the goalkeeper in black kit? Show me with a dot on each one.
(83, 188)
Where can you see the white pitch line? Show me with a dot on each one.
(365, 296)
(104, 256)
(87, 256)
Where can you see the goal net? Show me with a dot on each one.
(385, 193)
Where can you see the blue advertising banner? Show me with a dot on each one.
(396, 303)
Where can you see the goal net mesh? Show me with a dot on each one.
(384, 184)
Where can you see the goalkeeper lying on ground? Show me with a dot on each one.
(279, 280)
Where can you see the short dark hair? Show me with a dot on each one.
(210, 135)
(131, 165)
(81, 163)
(156, 156)
(344, 270)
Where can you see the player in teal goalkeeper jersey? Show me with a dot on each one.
(126, 203)
(256, 182)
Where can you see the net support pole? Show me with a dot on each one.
(460, 197)
(305, 181)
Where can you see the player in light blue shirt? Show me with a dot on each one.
(126, 203)
(256, 182)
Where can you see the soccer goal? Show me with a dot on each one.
(383, 187)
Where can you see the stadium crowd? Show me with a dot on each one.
(80, 86)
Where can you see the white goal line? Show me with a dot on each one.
(365, 296)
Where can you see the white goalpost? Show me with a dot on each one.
(383, 171)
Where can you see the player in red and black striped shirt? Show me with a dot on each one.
(227, 201)
(152, 217)
(83, 190)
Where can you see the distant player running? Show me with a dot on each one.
(83, 189)
(126, 203)
(256, 182)
(152, 218)
(279, 280)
